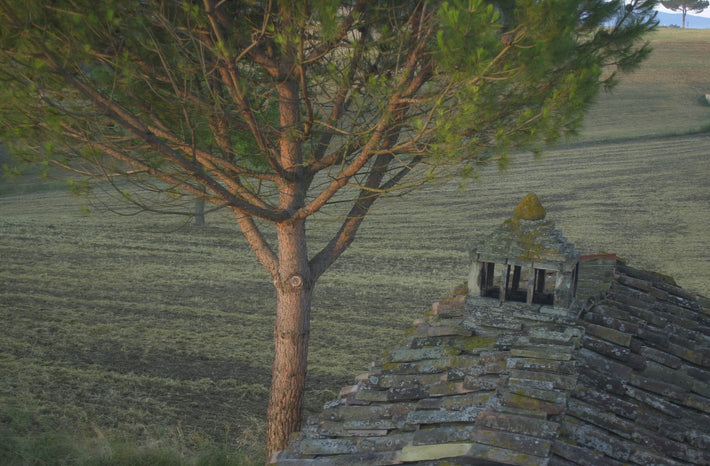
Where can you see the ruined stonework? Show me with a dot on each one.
(619, 376)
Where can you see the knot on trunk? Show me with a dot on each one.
(296, 281)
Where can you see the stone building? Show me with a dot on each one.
(546, 357)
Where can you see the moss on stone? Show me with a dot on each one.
(473, 343)
(530, 208)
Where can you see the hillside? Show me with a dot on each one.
(676, 20)
(144, 330)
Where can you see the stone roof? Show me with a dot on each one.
(622, 376)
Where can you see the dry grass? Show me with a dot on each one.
(148, 331)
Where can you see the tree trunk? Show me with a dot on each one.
(294, 291)
(199, 212)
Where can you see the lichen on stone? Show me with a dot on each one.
(530, 208)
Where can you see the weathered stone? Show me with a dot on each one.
(541, 364)
(413, 453)
(643, 456)
(526, 444)
(553, 396)
(448, 433)
(446, 388)
(430, 366)
(577, 455)
(533, 315)
(607, 348)
(635, 283)
(655, 402)
(555, 312)
(598, 440)
(604, 400)
(671, 448)
(605, 365)
(408, 355)
(601, 418)
(518, 424)
(394, 441)
(699, 439)
(370, 424)
(483, 383)
(667, 390)
(371, 395)
(443, 416)
(408, 393)
(524, 402)
(698, 402)
(498, 455)
(362, 459)
(699, 356)
(327, 446)
(608, 334)
(654, 336)
(405, 381)
(366, 432)
(467, 400)
(701, 388)
(556, 352)
(559, 381)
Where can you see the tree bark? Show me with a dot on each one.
(294, 291)
(199, 212)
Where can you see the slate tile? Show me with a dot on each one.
(497, 455)
(646, 457)
(531, 404)
(576, 454)
(601, 418)
(553, 396)
(443, 416)
(518, 424)
(412, 453)
(555, 352)
(609, 334)
(599, 440)
(526, 444)
(393, 441)
(559, 381)
(469, 399)
(698, 402)
(443, 434)
(541, 364)
(660, 357)
(655, 401)
(327, 446)
(667, 447)
(666, 390)
(699, 439)
(605, 365)
(484, 383)
(606, 400)
(607, 348)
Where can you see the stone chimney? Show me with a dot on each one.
(525, 259)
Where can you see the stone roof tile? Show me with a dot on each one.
(621, 377)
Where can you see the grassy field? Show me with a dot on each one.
(143, 337)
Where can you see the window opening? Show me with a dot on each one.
(516, 283)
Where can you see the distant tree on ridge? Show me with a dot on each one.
(695, 6)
